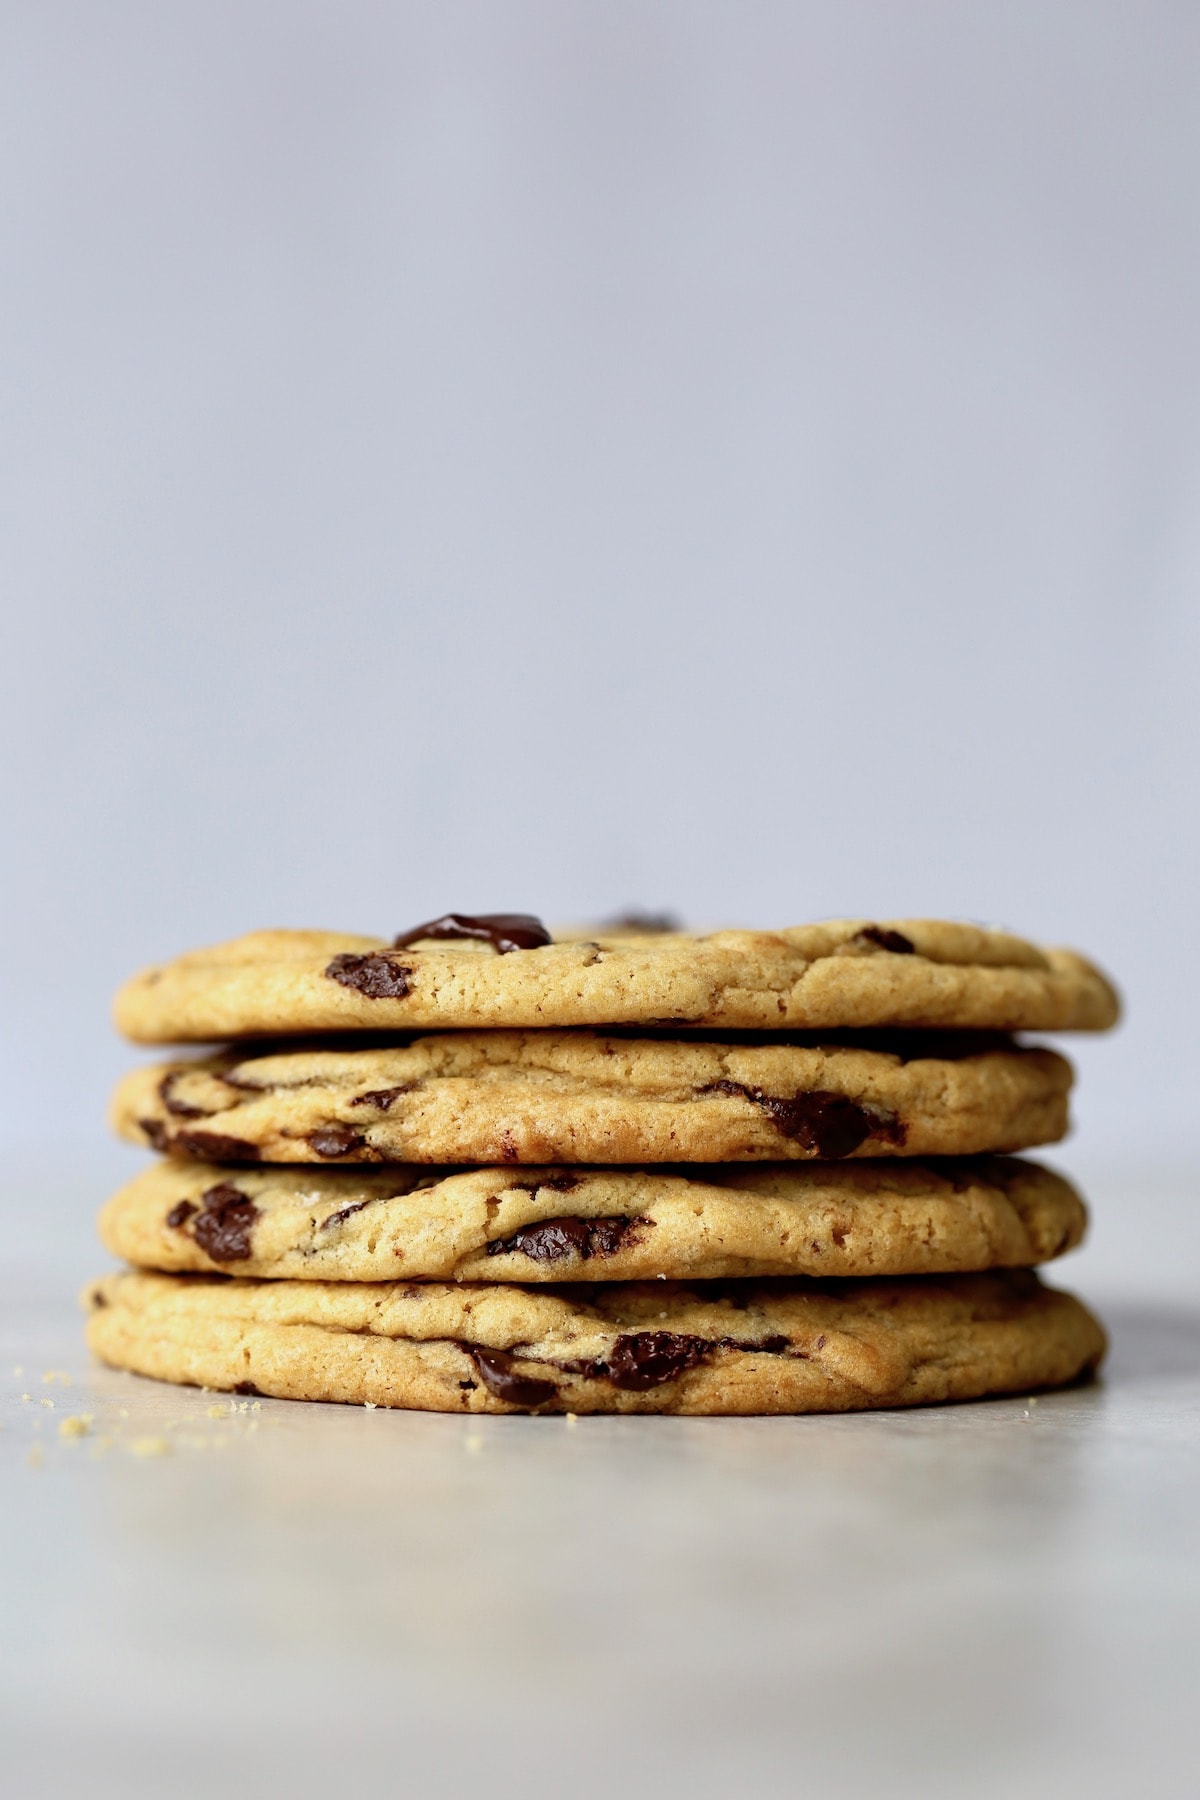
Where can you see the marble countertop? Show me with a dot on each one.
(996, 1599)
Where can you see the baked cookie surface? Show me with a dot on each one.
(577, 1097)
(554, 1224)
(737, 1347)
(845, 973)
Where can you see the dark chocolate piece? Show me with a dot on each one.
(895, 941)
(224, 1227)
(382, 1097)
(501, 1379)
(246, 1387)
(645, 1359)
(551, 1240)
(155, 1133)
(378, 976)
(504, 931)
(178, 1108)
(179, 1215)
(335, 1140)
(214, 1146)
(641, 924)
(829, 1125)
(343, 1212)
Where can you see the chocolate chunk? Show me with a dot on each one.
(335, 1140)
(178, 1108)
(179, 1215)
(504, 931)
(607, 1236)
(558, 1184)
(343, 1212)
(829, 1125)
(214, 1146)
(378, 976)
(895, 941)
(501, 1379)
(98, 1299)
(382, 1097)
(246, 1387)
(641, 924)
(550, 1240)
(645, 1359)
(155, 1134)
(224, 1227)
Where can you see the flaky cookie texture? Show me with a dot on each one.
(737, 1347)
(555, 1224)
(845, 973)
(576, 1097)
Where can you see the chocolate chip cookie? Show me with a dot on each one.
(653, 1347)
(504, 970)
(556, 1224)
(578, 1097)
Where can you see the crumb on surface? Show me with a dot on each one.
(36, 1456)
(46, 1402)
(75, 1425)
(369, 1405)
(150, 1446)
(218, 1412)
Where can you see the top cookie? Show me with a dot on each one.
(504, 970)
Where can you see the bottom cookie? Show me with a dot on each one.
(787, 1346)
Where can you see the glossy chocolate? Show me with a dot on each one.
(503, 931)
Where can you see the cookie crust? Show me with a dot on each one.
(554, 1224)
(842, 974)
(577, 1097)
(781, 1347)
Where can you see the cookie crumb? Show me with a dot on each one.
(36, 1456)
(218, 1412)
(46, 1402)
(571, 1418)
(474, 1444)
(150, 1446)
(369, 1405)
(75, 1425)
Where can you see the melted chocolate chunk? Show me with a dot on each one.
(503, 931)
(155, 1133)
(246, 1387)
(214, 1146)
(551, 1240)
(382, 1097)
(179, 1215)
(178, 1108)
(646, 1359)
(501, 1379)
(378, 976)
(335, 1140)
(224, 1227)
(829, 1125)
(99, 1299)
(879, 935)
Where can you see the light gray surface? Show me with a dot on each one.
(999, 1599)
(741, 457)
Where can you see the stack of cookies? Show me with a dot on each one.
(481, 1169)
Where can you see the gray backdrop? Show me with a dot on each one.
(738, 457)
